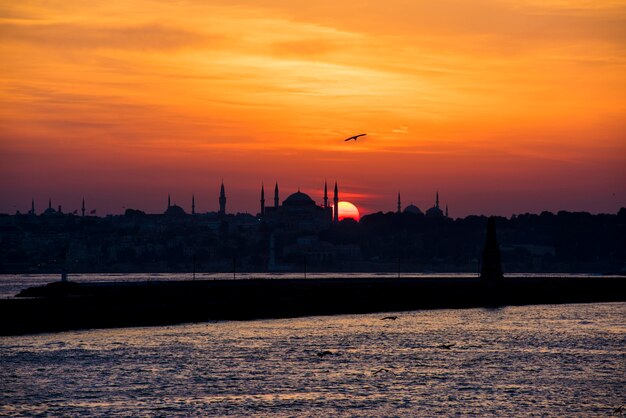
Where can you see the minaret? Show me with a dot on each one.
(32, 207)
(193, 204)
(262, 200)
(276, 196)
(399, 204)
(82, 210)
(168, 201)
(325, 195)
(446, 210)
(437, 200)
(49, 203)
(336, 201)
(222, 200)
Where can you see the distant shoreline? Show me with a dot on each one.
(62, 306)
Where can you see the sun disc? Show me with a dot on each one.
(348, 210)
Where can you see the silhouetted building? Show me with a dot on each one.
(435, 211)
(222, 200)
(325, 195)
(299, 212)
(262, 200)
(173, 211)
(50, 210)
(413, 209)
(399, 210)
(336, 202)
(491, 269)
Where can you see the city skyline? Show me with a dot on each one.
(506, 106)
(222, 208)
(200, 203)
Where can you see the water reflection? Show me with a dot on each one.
(511, 361)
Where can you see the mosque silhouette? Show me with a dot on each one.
(297, 209)
(300, 210)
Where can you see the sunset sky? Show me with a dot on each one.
(504, 106)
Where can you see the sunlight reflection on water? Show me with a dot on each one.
(557, 360)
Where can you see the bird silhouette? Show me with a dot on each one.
(354, 137)
(393, 318)
(325, 353)
(381, 370)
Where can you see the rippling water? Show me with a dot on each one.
(566, 360)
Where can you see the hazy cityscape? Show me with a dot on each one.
(297, 234)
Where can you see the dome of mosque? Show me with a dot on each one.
(175, 210)
(298, 199)
(49, 212)
(413, 209)
(434, 212)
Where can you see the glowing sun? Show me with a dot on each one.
(348, 210)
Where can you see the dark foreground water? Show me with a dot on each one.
(567, 360)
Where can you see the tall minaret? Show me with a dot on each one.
(399, 204)
(446, 210)
(32, 207)
(222, 200)
(49, 203)
(262, 200)
(325, 195)
(276, 196)
(437, 200)
(82, 210)
(193, 204)
(169, 201)
(336, 201)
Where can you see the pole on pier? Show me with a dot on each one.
(193, 262)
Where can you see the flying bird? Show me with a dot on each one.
(354, 137)
(393, 318)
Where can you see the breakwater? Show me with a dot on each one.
(63, 306)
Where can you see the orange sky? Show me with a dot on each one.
(505, 106)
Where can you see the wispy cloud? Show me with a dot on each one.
(274, 87)
(150, 37)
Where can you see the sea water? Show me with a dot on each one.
(555, 360)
